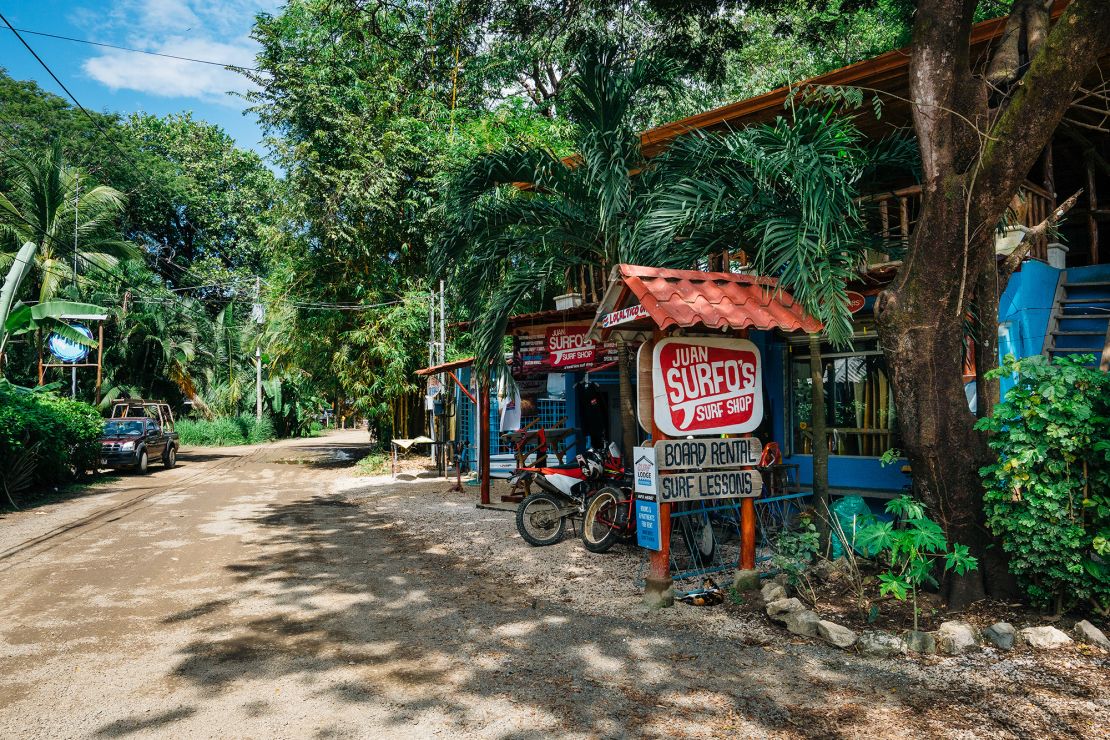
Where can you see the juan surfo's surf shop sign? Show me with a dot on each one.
(707, 385)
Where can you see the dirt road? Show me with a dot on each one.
(246, 595)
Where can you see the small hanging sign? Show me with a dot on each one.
(623, 316)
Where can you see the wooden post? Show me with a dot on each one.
(484, 450)
(658, 588)
(99, 358)
(747, 533)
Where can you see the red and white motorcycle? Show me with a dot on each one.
(541, 517)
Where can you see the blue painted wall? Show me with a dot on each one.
(1023, 312)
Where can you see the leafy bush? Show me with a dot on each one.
(914, 547)
(260, 430)
(1048, 496)
(794, 549)
(216, 433)
(61, 436)
(225, 431)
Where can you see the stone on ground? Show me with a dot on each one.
(1086, 632)
(920, 642)
(778, 609)
(836, 634)
(880, 644)
(772, 592)
(1045, 638)
(803, 623)
(956, 637)
(1001, 635)
(745, 580)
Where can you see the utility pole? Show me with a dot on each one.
(259, 317)
(76, 206)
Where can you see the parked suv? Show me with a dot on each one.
(138, 434)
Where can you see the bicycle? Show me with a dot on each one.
(610, 518)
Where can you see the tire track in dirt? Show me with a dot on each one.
(48, 540)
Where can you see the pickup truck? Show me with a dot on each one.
(138, 434)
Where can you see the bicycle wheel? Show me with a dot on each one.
(604, 520)
(539, 519)
(696, 532)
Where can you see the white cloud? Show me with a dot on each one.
(215, 30)
(121, 70)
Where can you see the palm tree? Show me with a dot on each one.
(786, 193)
(49, 204)
(505, 243)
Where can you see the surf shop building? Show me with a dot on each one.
(1057, 303)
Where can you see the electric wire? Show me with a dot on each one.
(135, 51)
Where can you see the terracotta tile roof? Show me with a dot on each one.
(713, 300)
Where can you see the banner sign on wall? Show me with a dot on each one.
(568, 346)
(706, 386)
(560, 349)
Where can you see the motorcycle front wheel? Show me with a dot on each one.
(539, 519)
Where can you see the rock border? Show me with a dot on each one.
(953, 637)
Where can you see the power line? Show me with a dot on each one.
(62, 85)
(134, 51)
(100, 129)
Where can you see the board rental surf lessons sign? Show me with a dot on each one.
(707, 385)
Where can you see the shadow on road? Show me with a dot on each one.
(369, 617)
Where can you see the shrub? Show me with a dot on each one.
(62, 436)
(1048, 495)
(261, 430)
(915, 548)
(225, 431)
(222, 432)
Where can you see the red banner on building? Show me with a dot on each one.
(707, 386)
(560, 349)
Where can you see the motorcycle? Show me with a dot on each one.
(541, 517)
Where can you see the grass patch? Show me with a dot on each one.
(226, 431)
(376, 463)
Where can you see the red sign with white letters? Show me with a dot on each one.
(568, 347)
(707, 386)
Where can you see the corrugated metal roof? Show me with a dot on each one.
(713, 300)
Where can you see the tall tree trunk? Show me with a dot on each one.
(820, 442)
(974, 158)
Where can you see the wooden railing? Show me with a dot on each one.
(897, 212)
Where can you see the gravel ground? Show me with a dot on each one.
(247, 596)
(732, 670)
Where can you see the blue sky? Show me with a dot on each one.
(109, 80)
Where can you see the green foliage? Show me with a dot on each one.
(62, 436)
(916, 547)
(376, 463)
(794, 550)
(221, 432)
(226, 431)
(1048, 495)
(796, 547)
